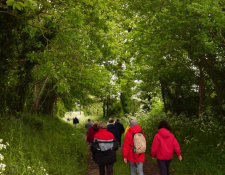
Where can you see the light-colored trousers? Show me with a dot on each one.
(136, 167)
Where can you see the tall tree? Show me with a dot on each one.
(184, 34)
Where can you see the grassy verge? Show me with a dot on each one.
(42, 145)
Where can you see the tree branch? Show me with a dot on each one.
(40, 28)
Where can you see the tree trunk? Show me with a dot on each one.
(37, 98)
(35, 104)
(53, 107)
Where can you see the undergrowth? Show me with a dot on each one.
(42, 145)
(202, 141)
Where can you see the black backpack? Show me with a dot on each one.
(104, 157)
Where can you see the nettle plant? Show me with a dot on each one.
(2, 147)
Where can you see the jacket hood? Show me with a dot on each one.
(111, 126)
(135, 129)
(163, 132)
(95, 127)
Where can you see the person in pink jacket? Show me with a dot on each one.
(136, 161)
(163, 145)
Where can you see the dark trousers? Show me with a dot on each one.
(164, 166)
(109, 168)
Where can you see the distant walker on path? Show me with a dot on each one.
(88, 125)
(75, 121)
(120, 129)
(111, 127)
(68, 119)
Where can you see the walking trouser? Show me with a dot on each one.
(136, 167)
(109, 169)
(164, 166)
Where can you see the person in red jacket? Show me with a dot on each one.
(91, 132)
(136, 161)
(163, 145)
(104, 149)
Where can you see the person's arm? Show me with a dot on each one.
(115, 144)
(176, 148)
(154, 147)
(126, 147)
(94, 147)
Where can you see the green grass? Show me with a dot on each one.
(120, 168)
(42, 145)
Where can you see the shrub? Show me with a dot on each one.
(201, 141)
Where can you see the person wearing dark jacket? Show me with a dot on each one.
(111, 127)
(120, 129)
(104, 148)
(91, 132)
(163, 146)
(75, 121)
(136, 161)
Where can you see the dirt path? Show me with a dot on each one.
(92, 166)
(149, 167)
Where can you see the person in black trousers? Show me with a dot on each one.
(111, 127)
(120, 129)
(75, 121)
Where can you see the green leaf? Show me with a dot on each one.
(19, 5)
(10, 2)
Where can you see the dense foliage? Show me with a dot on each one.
(126, 54)
(178, 47)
